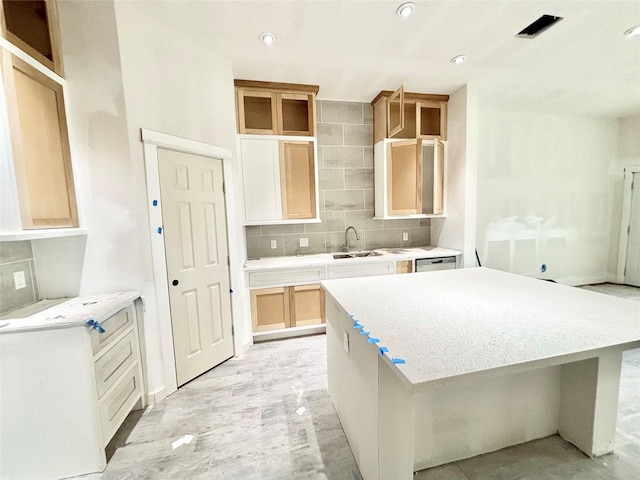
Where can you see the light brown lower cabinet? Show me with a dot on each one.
(284, 307)
(404, 266)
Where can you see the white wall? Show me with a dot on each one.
(126, 72)
(458, 229)
(546, 194)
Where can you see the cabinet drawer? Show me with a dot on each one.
(286, 277)
(113, 326)
(110, 367)
(116, 405)
(362, 270)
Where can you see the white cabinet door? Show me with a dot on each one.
(261, 179)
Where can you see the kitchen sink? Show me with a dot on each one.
(339, 256)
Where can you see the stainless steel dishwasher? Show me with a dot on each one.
(431, 264)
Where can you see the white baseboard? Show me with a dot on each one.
(157, 396)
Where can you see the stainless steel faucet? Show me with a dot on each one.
(346, 242)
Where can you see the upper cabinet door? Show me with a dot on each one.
(296, 114)
(32, 25)
(404, 177)
(297, 180)
(40, 146)
(260, 179)
(431, 120)
(257, 112)
(395, 112)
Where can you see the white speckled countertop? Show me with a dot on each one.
(324, 259)
(473, 321)
(64, 313)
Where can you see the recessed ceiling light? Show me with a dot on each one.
(458, 59)
(406, 9)
(268, 37)
(633, 31)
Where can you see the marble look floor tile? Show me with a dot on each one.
(247, 421)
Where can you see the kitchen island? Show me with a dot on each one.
(430, 368)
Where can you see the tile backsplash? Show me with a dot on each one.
(16, 257)
(345, 180)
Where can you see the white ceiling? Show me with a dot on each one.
(353, 49)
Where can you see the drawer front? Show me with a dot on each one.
(113, 326)
(110, 367)
(115, 406)
(286, 277)
(362, 270)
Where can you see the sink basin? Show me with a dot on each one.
(339, 256)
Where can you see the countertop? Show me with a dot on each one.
(452, 324)
(326, 259)
(64, 313)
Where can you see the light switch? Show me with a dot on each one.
(304, 242)
(19, 280)
(345, 341)
(274, 244)
(405, 236)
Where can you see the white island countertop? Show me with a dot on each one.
(64, 313)
(453, 324)
(326, 259)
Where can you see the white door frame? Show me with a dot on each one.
(152, 141)
(625, 220)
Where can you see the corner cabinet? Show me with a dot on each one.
(278, 152)
(409, 155)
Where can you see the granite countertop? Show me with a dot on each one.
(66, 312)
(326, 259)
(455, 324)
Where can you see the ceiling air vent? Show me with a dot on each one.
(539, 26)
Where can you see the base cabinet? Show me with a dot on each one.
(285, 307)
(64, 393)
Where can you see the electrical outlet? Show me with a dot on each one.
(405, 236)
(19, 280)
(274, 244)
(304, 242)
(345, 341)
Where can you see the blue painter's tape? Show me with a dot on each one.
(398, 360)
(381, 350)
(350, 315)
(362, 332)
(373, 340)
(357, 326)
(91, 323)
(159, 229)
(155, 203)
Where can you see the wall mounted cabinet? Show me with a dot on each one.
(409, 154)
(32, 26)
(402, 114)
(268, 108)
(279, 177)
(409, 178)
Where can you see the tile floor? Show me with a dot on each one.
(267, 415)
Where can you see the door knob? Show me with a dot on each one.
(175, 282)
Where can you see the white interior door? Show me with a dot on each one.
(632, 268)
(195, 238)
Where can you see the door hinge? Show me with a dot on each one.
(628, 229)
(224, 188)
(228, 261)
(632, 183)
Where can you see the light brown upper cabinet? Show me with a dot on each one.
(32, 26)
(270, 108)
(297, 180)
(409, 151)
(402, 114)
(40, 146)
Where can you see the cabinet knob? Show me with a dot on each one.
(175, 282)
